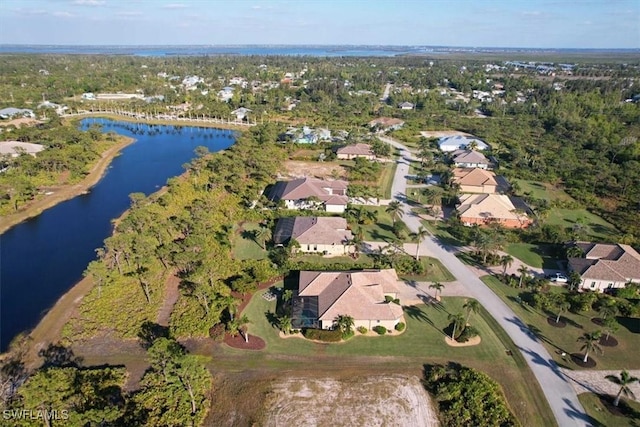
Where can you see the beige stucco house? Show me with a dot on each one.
(606, 266)
(328, 236)
(483, 209)
(469, 159)
(312, 193)
(475, 180)
(323, 296)
(349, 152)
(386, 124)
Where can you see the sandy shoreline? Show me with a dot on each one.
(67, 192)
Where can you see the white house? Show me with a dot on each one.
(461, 142)
(241, 113)
(10, 113)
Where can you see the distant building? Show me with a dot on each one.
(323, 235)
(16, 148)
(386, 124)
(12, 113)
(406, 106)
(310, 193)
(352, 151)
(241, 113)
(461, 142)
(90, 96)
(606, 266)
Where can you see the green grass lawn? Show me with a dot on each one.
(439, 229)
(558, 340)
(534, 255)
(596, 228)
(317, 259)
(422, 342)
(244, 246)
(386, 179)
(434, 272)
(382, 229)
(628, 414)
(540, 190)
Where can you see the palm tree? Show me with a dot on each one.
(263, 234)
(561, 306)
(624, 380)
(284, 323)
(395, 210)
(610, 326)
(458, 322)
(523, 270)
(471, 306)
(608, 308)
(589, 342)
(505, 262)
(418, 237)
(241, 323)
(344, 323)
(438, 287)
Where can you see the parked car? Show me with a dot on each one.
(558, 278)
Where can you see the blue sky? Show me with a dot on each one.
(479, 23)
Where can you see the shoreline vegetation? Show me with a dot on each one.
(67, 192)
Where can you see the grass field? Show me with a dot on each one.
(439, 229)
(627, 414)
(422, 342)
(596, 228)
(534, 255)
(244, 246)
(386, 179)
(382, 229)
(318, 259)
(540, 190)
(558, 340)
(434, 272)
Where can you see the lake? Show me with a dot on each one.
(43, 257)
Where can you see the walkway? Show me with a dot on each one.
(557, 388)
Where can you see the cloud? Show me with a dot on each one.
(21, 11)
(63, 14)
(532, 13)
(174, 6)
(89, 2)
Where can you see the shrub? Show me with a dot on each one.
(322, 335)
(380, 330)
(400, 327)
(362, 329)
(468, 333)
(217, 331)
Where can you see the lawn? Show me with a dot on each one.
(540, 190)
(317, 259)
(422, 342)
(434, 272)
(386, 179)
(538, 256)
(439, 230)
(382, 229)
(596, 228)
(244, 245)
(558, 340)
(628, 411)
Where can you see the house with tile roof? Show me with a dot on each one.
(328, 236)
(475, 180)
(324, 295)
(311, 193)
(461, 142)
(483, 209)
(385, 124)
(469, 159)
(606, 266)
(352, 151)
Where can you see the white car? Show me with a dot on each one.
(559, 278)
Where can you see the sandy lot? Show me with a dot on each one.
(296, 169)
(441, 133)
(360, 401)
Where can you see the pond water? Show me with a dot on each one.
(43, 257)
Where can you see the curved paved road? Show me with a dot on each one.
(556, 386)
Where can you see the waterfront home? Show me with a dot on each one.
(241, 113)
(328, 236)
(606, 266)
(323, 296)
(311, 193)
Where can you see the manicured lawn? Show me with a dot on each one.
(538, 256)
(558, 340)
(628, 415)
(382, 229)
(434, 272)
(244, 246)
(596, 228)
(439, 229)
(422, 342)
(540, 190)
(317, 259)
(386, 179)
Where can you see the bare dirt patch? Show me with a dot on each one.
(386, 400)
(297, 169)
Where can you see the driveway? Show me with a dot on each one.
(555, 385)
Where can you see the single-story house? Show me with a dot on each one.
(386, 124)
(15, 148)
(322, 235)
(606, 266)
(461, 142)
(309, 193)
(10, 113)
(469, 159)
(352, 151)
(482, 209)
(60, 109)
(89, 96)
(241, 113)
(406, 106)
(475, 180)
(323, 296)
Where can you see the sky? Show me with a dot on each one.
(472, 23)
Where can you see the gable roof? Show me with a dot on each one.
(312, 230)
(358, 149)
(330, 192)
(386, 122)
(474, 177)
(614, 262)
(489, 206)
(450, 143)
(469, 156)
(359, 294)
